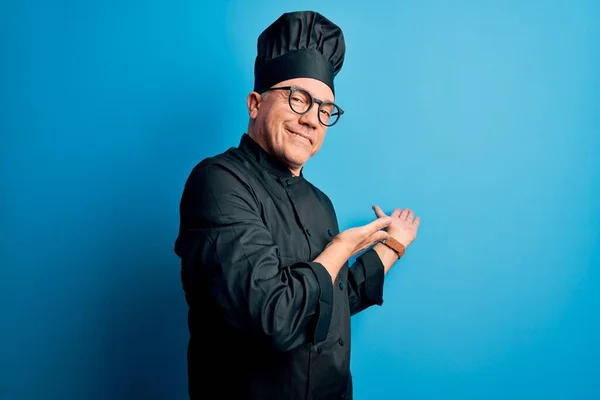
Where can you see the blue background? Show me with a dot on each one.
(483, 117)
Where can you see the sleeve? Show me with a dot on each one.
(365, 275)
(365, 282)
(230, 256)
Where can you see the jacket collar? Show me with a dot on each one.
(264, 159)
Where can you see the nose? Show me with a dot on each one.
(311, 118)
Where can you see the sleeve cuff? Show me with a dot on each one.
(325, 307)
(374, 274)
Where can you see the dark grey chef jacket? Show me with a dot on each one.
(265, 322)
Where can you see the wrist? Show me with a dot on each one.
(340, 248)
(395, 245)
(387, 256)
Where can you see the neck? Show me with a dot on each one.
(258, 139)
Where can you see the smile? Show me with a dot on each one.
(301, 135)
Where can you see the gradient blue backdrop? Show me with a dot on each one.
(481, 116)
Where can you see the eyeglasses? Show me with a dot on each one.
(302, 102)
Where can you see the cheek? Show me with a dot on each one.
(275, 120)
(320, 139)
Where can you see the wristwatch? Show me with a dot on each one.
(395, 245)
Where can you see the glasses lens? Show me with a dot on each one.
(329, 114)
(300, 101)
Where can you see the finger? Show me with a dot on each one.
(396, 212)
(377, 225)
(369, 241)
(404, 213)
(417, 221)
(379, 236)
(410, 216)
(378, 211)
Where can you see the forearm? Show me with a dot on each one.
(387, 256)
(335, 255)
(333, 258)
(366, 276)
(365, 281)
(288, 305)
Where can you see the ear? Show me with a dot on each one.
(253, 103)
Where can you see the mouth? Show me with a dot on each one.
(307, 137)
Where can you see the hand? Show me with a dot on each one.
(404, 225)
(357, 239)
(350, 242)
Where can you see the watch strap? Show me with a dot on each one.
(395, 245)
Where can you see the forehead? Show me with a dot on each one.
(317, 88)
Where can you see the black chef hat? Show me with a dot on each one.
(300, 44)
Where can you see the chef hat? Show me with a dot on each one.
(301, 44)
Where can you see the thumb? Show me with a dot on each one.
(380, 223)
(378, 211)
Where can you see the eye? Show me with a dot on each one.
(327, 110)
(298, 99)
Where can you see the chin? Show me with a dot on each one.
(296, 157)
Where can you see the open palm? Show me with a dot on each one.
(404, 225)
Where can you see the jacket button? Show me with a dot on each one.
(308, 231)
(341, 285)
(341, 342)
(319, 349)
(330, 232)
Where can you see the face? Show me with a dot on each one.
(291, 137)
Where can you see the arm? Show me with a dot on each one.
(232, 258)
(366, 274)
(365, 278)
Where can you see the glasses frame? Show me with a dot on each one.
(313, 100)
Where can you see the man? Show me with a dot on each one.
(264, 266)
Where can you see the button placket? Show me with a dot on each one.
(292, 191)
